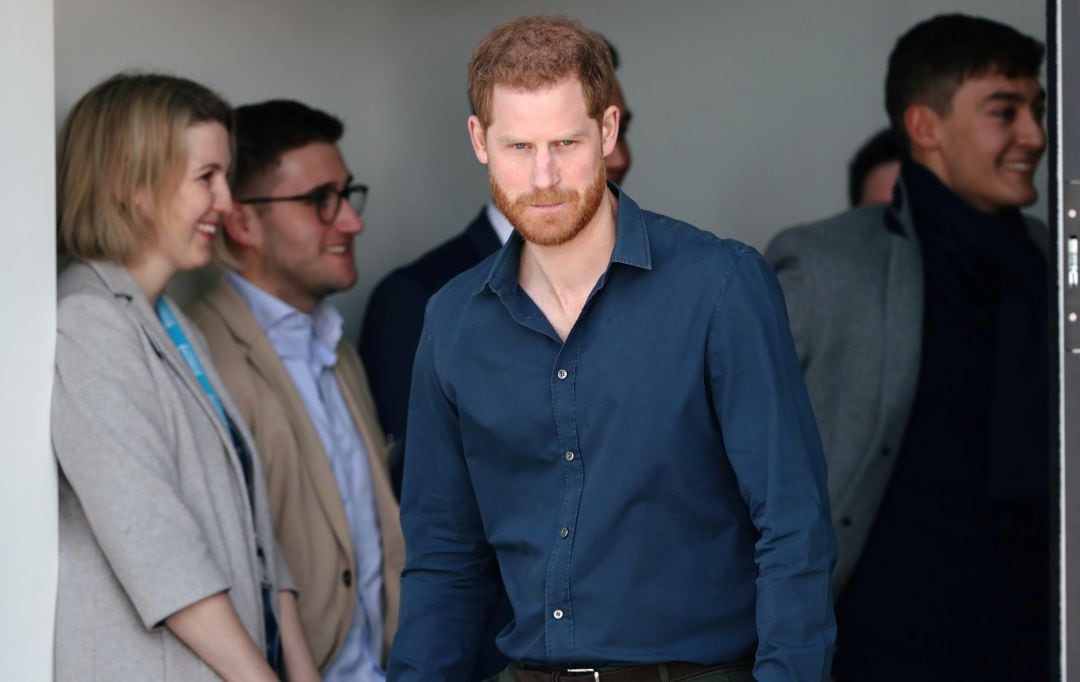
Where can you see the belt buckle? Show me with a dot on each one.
(594, 671)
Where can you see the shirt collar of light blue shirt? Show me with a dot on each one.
(499, 222)
(292, 332)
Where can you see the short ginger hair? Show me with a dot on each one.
(534, 52)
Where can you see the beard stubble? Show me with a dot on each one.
(556, 229)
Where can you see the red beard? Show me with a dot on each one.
(558, 227)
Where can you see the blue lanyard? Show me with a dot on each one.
(179, 339)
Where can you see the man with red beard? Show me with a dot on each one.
(395, 311)
(607, 420)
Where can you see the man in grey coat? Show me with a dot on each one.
(921, 328)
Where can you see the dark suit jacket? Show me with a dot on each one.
(395, 318)
(391, 333)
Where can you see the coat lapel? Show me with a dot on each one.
(264, 359)
(121, 284)
(903, 321)
(350, 376)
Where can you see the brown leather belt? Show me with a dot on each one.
(632, 673)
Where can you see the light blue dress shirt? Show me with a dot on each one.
(500, 223)
(305, 343)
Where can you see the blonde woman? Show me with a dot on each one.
(168, 565)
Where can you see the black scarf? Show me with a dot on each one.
(979, 255)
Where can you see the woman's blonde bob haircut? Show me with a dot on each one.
(120, 155)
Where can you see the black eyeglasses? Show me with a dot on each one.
(326, 200)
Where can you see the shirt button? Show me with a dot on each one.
(561, 374)
(558, 614)
(346, 577)
(564, 532)
(569, 456)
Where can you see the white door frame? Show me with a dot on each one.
(28, 511)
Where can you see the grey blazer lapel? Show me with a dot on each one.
(903, 322)
(120, 282)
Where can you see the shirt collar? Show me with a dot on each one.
(631, 246)
(499, 222)
(267, 308)
(286, 326)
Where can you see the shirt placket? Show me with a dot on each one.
(559, 610)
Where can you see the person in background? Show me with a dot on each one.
(289, 244)
(607, 421)
(168, 567)
(873, 170)
(922, 330)
(395, 312)
(617, 163)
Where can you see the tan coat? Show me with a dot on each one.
(308, 516)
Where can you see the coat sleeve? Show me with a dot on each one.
(241, 417)
(450, 582)
(116, 443)
(772, 442)
(391, 334)
(786, 256)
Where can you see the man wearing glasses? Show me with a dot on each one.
(288, 244)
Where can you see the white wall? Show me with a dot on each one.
(745, 112)
(28, 310)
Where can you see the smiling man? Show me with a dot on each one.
(922, 331)
(607, 420)
(277, 343)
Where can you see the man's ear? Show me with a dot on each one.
(479, 142)
(922, 123)
(243, 227)
(609, 128)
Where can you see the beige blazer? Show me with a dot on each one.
(309, 518)
(154, 511)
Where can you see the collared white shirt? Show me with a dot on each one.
(503, 228)
(306, 345)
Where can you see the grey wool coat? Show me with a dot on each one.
(154, 512)
(854, 290)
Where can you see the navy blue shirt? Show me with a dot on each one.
(652, 490)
